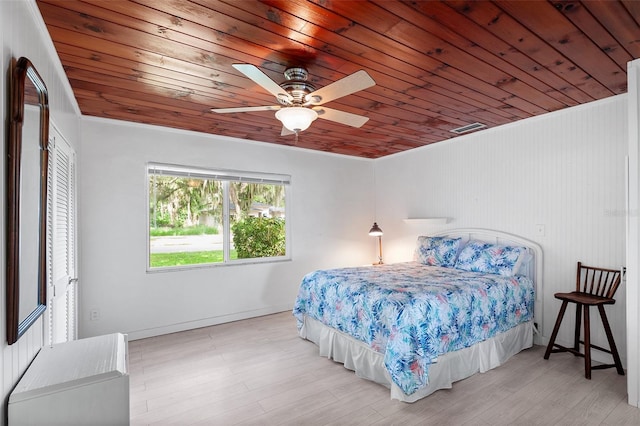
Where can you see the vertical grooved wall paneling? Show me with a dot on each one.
(23, 34)
(564, 170)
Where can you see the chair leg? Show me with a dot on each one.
(587, 343)
(612, 343)
(552, 340)
(578, 326)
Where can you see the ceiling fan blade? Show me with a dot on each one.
(246, 109)
(341, 117)
(263, 80)
(345, 86)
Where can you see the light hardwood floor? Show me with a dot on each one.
(259, 372)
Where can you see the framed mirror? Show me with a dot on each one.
(27, 167)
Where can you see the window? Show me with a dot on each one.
(205, 217)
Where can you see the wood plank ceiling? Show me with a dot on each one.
(437, 65)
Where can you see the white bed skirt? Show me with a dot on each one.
(449, 368)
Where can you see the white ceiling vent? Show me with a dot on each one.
(468, 128)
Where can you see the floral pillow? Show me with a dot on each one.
(478, 256)
(437, 251)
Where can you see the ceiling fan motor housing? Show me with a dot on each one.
(296, 85)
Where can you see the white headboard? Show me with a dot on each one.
(535, 267)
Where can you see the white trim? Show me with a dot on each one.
(190, 325)
(633, 236)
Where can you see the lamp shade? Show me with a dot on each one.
(375, 230)
(296, 119)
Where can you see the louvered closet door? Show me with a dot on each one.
(62, 289)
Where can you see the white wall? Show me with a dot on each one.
(564, 170)
(565, 163)
(22, 33)
(331, 209)
(633, 237)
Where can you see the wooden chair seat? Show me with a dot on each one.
(585, 298)
(594, 287)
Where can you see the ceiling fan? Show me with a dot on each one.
(300, 102)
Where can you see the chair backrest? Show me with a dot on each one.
(597, 281)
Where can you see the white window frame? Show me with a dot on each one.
(226, 176)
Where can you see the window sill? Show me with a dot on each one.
(216, 265)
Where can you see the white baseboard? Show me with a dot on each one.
(206, 322)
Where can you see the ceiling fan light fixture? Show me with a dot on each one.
(296, 119)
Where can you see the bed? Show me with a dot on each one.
(468, 302)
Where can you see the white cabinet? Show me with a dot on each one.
(82, 382)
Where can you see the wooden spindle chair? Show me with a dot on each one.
(594, 287)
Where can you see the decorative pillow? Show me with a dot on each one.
(524, 264)
(437, 251)
(478, 256)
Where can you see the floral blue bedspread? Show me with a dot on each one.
(413, 313)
